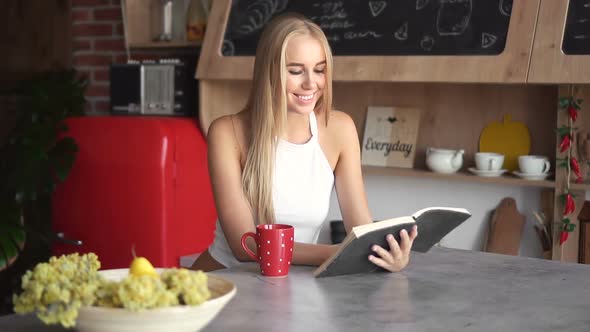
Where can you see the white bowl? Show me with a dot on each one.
(178, 318)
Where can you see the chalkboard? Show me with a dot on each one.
(576, 37)
(391, 27)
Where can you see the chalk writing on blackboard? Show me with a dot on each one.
(228, 48)
(258, 13)
(576, 36)
(377, 7)
(488, 40)
(453, 17)
(427, 43)
(385, 27)
(421, 4)
(401, 34)
(505, 7)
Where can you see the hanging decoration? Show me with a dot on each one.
(571, 105)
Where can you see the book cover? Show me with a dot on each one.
(433, 223)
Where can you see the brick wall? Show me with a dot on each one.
(98, 41)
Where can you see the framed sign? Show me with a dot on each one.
(390, 136)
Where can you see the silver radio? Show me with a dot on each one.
(163, 87)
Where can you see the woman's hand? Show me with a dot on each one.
(398, 256)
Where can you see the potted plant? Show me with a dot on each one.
(33, 160)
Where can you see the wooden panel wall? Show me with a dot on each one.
(36, 37)
(453, 115)
(142, 22)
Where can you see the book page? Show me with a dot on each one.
(364, 229)
(420, 212)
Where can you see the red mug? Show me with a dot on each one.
(274, 243)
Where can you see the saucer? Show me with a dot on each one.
(486, 173)
(535, 177)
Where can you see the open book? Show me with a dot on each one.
(352, 256)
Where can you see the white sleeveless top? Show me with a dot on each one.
(302, 185)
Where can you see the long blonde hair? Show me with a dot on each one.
(267, 106)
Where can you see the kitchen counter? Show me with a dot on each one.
(443, 290)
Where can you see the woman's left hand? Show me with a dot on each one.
(398, 256)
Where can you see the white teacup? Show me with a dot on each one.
(530, 164)
(489, 161)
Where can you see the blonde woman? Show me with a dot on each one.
(278, 159)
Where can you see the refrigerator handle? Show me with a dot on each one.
(60, 237)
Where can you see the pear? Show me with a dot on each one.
(141, 266)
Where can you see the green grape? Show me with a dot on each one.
(144, 292)
(189, 286)
(106, 295)
(56, 290)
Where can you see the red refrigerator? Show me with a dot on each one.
(138, 182)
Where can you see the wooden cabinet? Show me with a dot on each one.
(510, 66)
(143, 21)
(549, 62)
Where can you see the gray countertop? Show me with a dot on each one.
(443, 290)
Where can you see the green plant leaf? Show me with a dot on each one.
(570, 227)
(564, 102)
(62, 157)
(563, 130)
(576, 105)
(12, 239)
(35, 159)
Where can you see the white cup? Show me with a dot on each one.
(530, 164)
(489, 161)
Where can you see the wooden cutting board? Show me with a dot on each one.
(506, 228)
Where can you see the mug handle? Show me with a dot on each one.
(245, 247)
(546, 167)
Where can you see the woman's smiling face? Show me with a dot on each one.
(306, 65)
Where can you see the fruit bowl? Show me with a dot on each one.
(180, 318)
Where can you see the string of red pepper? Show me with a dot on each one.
(566, 133)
